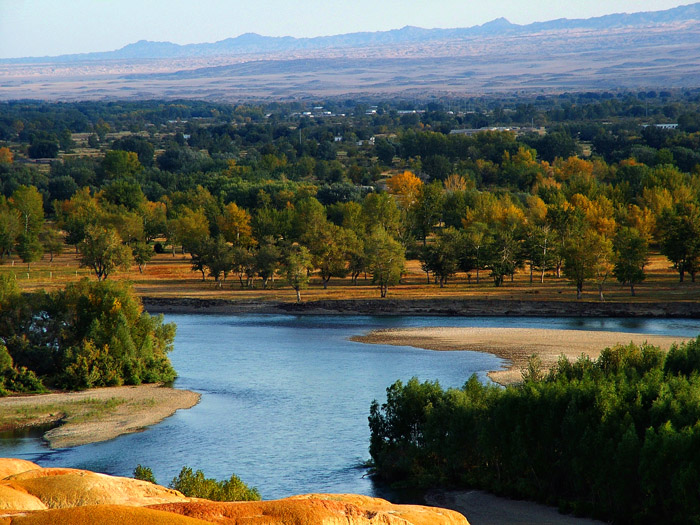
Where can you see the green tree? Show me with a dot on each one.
(144, 473)
(583, 256)
(218, 258)
(30, 204)
(29, 248)
(52, 241)
(103, 250)
(296, 266)
(267, 260)
(427, 210)
(679, 237)
(631, 255)
(118, 164)
(385, 259)
(142, 253)
(442, 257)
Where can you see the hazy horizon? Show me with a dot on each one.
(36, 28)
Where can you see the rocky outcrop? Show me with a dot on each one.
(33, 495)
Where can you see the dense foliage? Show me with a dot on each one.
(195, 485)
(580, 185)
(89, 334)
(616, 438)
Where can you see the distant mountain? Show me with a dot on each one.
(252, 43)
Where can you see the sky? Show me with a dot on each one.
(56, 27)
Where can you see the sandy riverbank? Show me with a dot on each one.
(94, 415)
(482, 508)
(514, 344)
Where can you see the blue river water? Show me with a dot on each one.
(285, 399)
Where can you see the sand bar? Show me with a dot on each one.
(94, 415)
(514, 344)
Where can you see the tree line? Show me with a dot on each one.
(614, 438)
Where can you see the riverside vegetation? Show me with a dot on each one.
(614, 438)
(89, 334)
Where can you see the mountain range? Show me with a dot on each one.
(253, 43)
(651, 50)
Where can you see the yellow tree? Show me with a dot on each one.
(406, 187)
(6, 156)
(234, 225)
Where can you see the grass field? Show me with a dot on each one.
(168, 276)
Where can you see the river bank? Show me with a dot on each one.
(515, 345)
(437, 307)
(98, 414)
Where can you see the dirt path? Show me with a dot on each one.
(94, 415)
(514, 344)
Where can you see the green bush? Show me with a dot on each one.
(144, 474)
(615, 438)
(195, 485)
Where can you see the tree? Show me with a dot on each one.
(330, 246)
(679, 237)
(631, 255)
(142, 252)
(267, 260)
(476, 239)
(118, 164)
(406, 187)
(385, 259)
(29, 248)
(296, 267)
(585, 257)
(234, 225)
(379, 209)
(426, 211)
(442, 257)
(218, 258)
(103, 251)
(6, 155)
(10, 228)
(52, 240)
(30, 204)
(43, 149)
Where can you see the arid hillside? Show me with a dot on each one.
(550, 60)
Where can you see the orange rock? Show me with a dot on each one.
(321, 509)
(11, 466)
(102, 515)
(16, 499)
(62, 488)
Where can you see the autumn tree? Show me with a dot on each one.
(234, 225)
(405, 187)
(6, 155)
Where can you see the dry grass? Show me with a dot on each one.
(168, 276)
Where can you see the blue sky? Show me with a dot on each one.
(55, 27)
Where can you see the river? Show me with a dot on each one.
(285, 399)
